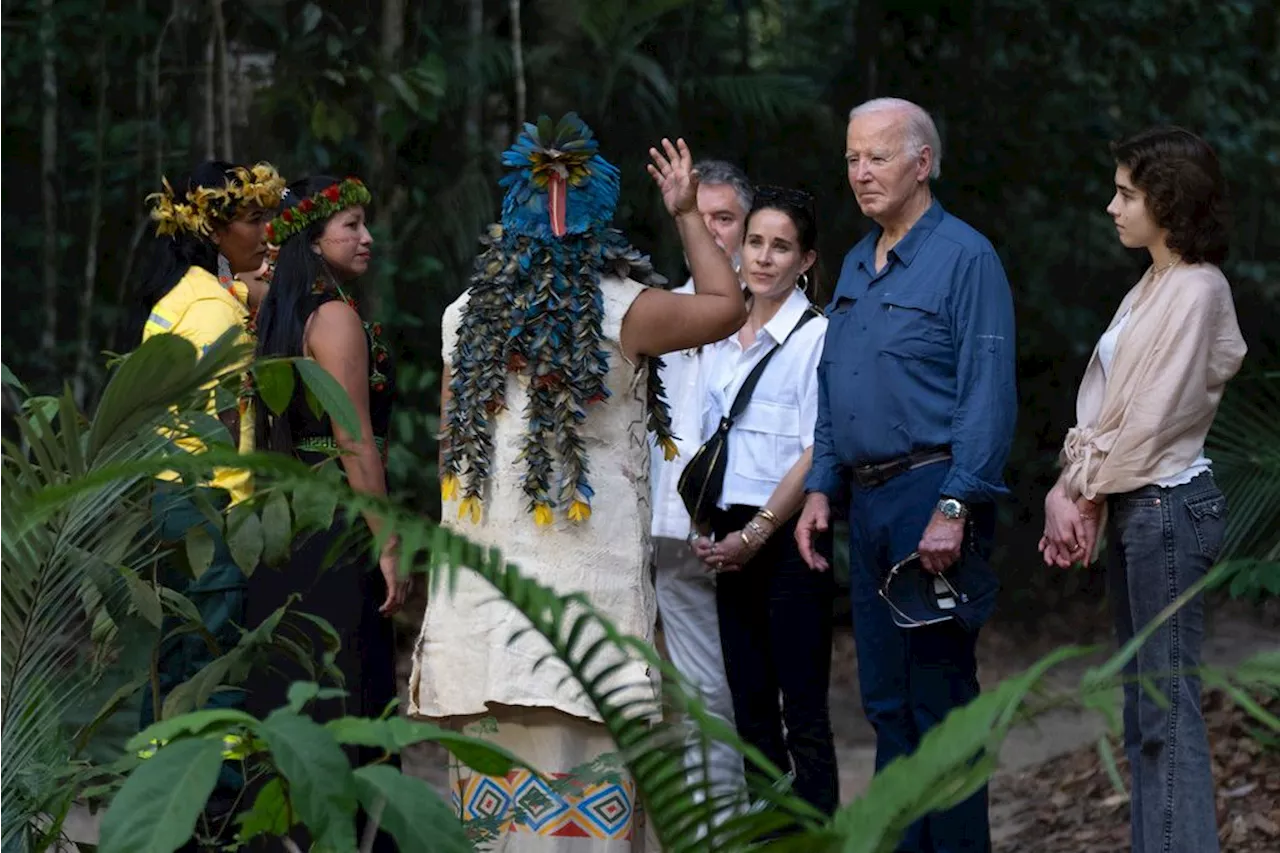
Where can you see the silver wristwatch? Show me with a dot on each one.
(952, 508)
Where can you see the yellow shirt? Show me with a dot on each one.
(200, 309)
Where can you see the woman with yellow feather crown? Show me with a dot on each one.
(548, 394)
(208, 230)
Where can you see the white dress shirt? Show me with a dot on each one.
(1106, 355)
(682, 378)
(777, 425)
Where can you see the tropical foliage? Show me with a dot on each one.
(105, 96)
(69, 551)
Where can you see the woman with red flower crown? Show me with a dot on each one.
(324, 246)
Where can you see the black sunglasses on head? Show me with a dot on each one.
(769, 194)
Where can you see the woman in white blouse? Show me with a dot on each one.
(1136, 454)
(775, 612)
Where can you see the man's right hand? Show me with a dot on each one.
(815, 519)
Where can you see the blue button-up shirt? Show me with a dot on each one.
(919, 355)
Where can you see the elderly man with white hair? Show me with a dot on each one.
(916, 409)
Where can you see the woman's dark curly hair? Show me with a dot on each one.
(1179, 174)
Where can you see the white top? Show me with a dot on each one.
(464, 659)
(683, 378)
(1106, 354)
(777, 425)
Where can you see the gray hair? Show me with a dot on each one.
(722, 172)
(919, 130)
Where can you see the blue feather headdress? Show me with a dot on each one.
(559, 183)
(535, 310)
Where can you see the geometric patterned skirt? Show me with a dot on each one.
(585, 802)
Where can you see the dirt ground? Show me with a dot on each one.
(1052, 792)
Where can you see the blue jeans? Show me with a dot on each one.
(1163, 540)
(911, 678)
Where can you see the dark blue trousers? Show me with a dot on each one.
(911, 678)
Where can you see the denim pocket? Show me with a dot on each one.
(1209, 520)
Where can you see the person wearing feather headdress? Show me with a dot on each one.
(549, 389)
(208, 232)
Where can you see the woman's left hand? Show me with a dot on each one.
(397, 586)
(730, 554)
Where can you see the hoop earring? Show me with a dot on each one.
(802, 281)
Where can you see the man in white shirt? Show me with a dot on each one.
(686, 591)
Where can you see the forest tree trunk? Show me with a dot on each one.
(475, 91)
(48, 184)
(224, 81)
(84, 348)
(517, 61)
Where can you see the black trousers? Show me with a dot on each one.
(775, 629)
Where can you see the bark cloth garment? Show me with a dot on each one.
(466, 669)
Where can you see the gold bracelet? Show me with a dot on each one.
(768, 515)
(746, 541)
(760, 529)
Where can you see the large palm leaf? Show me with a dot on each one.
(1245, 447)
(66, 563)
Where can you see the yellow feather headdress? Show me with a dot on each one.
(197, 211)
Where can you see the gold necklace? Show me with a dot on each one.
(1156, 271)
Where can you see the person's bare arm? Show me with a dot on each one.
(660, 322)
(335, 338)
(446, 397)
(738, 547)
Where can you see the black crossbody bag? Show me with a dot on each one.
(702, 480)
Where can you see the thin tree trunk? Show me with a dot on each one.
(517, 61)
(210, 95)
(84, 356)
(156, 127)
(224, 80)
(866, 47)
(382, 154)
(48, 185)
(475, 92)
(140, 109)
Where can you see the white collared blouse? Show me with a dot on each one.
(777, 425)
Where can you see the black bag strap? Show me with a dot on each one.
(743, 397)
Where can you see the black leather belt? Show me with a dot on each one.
(877, 474)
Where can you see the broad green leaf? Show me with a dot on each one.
(277, 532)
(157, 808)
(274, 383)
(311, 17)
(404, 90)
(178, 603)
(145, 598)
(194, 723)
(6, 375)
(199, 550)
(302, 692)
(195, 691)
(313, 507)
(319, 776)
(411, 811)
(244, 537)
(396, 733)
(269, 815)
(330, 395)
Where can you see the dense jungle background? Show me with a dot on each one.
(102, 98)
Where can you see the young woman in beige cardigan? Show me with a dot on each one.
(1136, 457)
